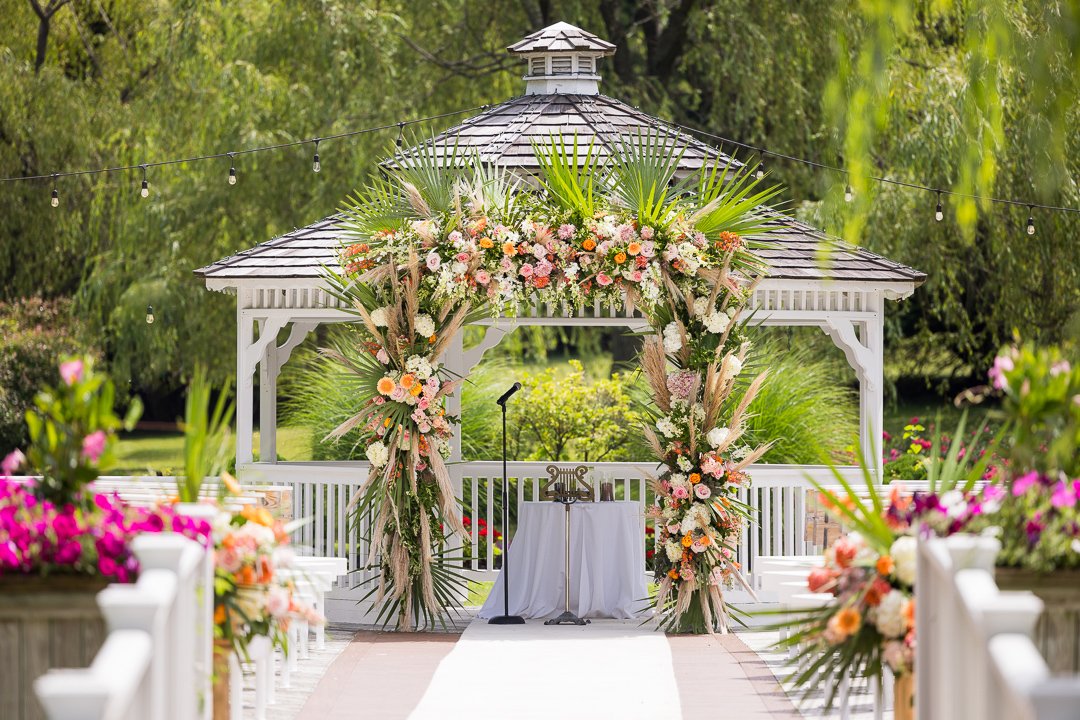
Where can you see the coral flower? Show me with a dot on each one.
(884, 565)
(509, 248)
(486, 243)
(847, 622)
(687, 541)
(695, 478)
(589, 244)
(407, 381)
(633, 248)
(386, 386)
(620, 258)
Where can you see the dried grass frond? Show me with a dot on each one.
(654, 443)
(416, 200)
(450, 331)
(447, 508)
(753, 457)
(654, 365)
(744, 403)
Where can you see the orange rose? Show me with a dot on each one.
(884, 565)
(509, 249)
(589, 244)
(695, 478)
(620, 258)
(541, 282)
(386, 386)
(486, 243)
(673, 574)
(633, 248)
(687, 541)
(407, 381)
(219, 615)
(908, 612)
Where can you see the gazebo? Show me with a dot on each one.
(281, 295)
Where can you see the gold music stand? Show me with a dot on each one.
(567, 486)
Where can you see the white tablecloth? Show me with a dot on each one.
(607, 576)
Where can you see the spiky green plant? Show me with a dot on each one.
(206, 435)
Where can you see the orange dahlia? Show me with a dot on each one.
(386, 386)
(633, 248)
(589, 244)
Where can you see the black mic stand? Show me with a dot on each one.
(506, 618)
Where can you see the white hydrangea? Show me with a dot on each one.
(903, 555)
(698, 412)
(718, 436)
(889, 615)
(425, 326)
(689, 523)
(674, 551)
(650, 290)
(571, 271)
(672, 338)
(684, 463)
(377, 454)
(717, 322)
(677, 479)
(418, 367)
(665, 426)
(459, 268)
(701, 305)
(378, 316)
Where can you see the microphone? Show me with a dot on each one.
(506, 395)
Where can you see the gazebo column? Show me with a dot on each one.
(864, 353)
(249, 353)
(273, 359)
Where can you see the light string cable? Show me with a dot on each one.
(54, 176)
(848, 193)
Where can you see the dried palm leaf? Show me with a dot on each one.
(447, 507)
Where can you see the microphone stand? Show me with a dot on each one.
(506, 618)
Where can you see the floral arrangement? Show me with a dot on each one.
(443, 241)
(252, 596)
(72, 433)
(1035, 506)
(38, 537)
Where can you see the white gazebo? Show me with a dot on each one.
(281, 294)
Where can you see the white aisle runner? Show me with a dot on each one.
(609, 669)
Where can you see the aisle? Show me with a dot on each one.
(609, 669)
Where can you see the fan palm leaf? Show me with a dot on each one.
(568, 177)
(640, 176)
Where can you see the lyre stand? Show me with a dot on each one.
(567, 498)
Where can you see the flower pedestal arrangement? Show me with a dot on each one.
(904, 696)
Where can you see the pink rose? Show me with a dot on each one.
(398, 393)
(646, 234)
(380, 400)
(818, 579)
(433, 262)
(483, 277)
(12, 462)
(680, 493)
(277, 601)
(382, 356)
(702, 491)
(424, 404)
(228, 559)
(462, 257)
(636, 276)
(71, 371)
(455, 237)
(93, 445)
(543, 268)
(526, 270)
(603, 280)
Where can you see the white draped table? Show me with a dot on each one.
(607, 573)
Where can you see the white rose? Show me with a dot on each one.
(903, 555)
(889, 615)
(718, 436)
(378, 316)
(666, 427)
(425, 326)
(459, 268)
(377, 454)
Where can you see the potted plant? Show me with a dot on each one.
(1036, 513)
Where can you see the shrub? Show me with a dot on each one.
(36, 334)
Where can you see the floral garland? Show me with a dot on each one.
(428, 260)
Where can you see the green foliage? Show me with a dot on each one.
(36, 334)
(805, 407)
(565, 417)
(72, 431)
(207, 443)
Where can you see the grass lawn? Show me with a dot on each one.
(148, 453)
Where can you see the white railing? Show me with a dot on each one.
(975, 655)
(322, 492)
(153, 663)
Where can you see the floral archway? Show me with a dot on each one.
(443, 241)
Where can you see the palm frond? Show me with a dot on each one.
(568, 177)
(640, 175)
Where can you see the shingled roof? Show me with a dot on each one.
(793, 255)
(504, 135)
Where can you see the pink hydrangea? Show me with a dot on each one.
(680, 384)
(566, 231)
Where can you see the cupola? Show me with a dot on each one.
(562, 60)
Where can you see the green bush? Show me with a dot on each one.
(36, 334)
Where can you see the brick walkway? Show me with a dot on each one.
(608, 669)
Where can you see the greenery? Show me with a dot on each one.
(36, 334)
(162, 453)
(206, 436)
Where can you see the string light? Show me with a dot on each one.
(760, 174)
(145, 191)
(849, 194)
(939, 214)
(55, 201)
(400, 134)
(149, 314)
(1031, 220)
(232, 168)
(316, 166)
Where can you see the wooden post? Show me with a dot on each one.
(244, 383)
(268, 375)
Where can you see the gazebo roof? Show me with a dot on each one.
(562, 99)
